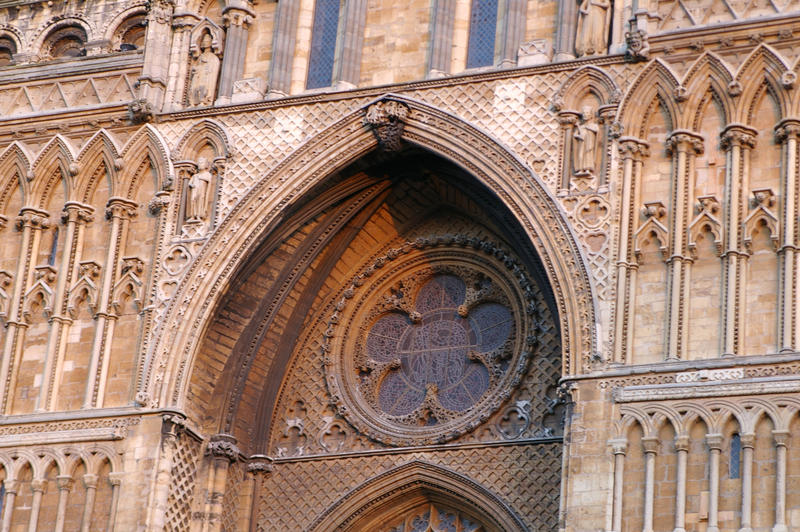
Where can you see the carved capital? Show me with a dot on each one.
(714, 441)
(3, 221)
(33, 218)
(64, 482)
(387, 120)
(681, 141)
(748, 440)
(237, 16)
(77, 212)
(619, 446)
(115, 479)
(120, 208)
(38, 485)
(568, 119)
(781, 437)
(10, 486)
(738, 135)
(682, 443)
(650, 445)
(90, 481)
(259, 464)
(631, 148)
(787, 129)
(223, 446)
(172, 425)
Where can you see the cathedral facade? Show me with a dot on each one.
(463, 265)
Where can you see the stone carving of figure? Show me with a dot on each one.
(593, 20)
(197, 199)
(205, 70)
(584, 145)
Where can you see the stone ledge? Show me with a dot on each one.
(696, 390)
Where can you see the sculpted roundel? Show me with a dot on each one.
(429, 340)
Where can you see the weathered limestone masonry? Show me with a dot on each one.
(350, 265)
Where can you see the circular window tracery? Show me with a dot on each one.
(429, 340)
(439, 351)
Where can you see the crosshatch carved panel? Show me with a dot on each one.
(525, 477)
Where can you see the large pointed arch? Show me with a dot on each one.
(172, 355)
(371, 499)
(708, 73)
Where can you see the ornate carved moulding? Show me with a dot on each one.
(429, 340)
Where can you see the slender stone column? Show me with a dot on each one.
(619, 448)
(683, 146)
(748, 444)
(90, 481)
(787, 133)
(118, 211)
(781, 440)
(153, 81)
(567, 120)
(75, 217)
(115, 479)
(650, 450)
(64, 483)
(513, 24)
(237, 16)
(682, 448)
(632, 152)
(347, 62)
(737, 140)
(258, 466)
(283, 44)
(441, 47)
(182, 23)
(714, 442)
(31, 222)
(8, 505)
(567, 26)
(37, 487)
(222, 449)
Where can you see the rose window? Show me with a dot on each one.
(441, 351)
(428, 341)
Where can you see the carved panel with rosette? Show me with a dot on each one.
(430, 340)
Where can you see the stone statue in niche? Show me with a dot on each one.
(584, 144)
(198, 189)
(205, 70)
(593, 22)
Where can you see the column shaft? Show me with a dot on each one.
(714, 442)
(748, 442)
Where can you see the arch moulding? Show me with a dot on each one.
(167, 364)
(371, 500)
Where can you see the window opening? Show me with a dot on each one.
(482, 33)
(323, 44)
(736, 451)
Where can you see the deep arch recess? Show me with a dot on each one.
(168, 363)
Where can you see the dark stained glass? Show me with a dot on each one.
(323, 44)
(482, 33)
(435, 350)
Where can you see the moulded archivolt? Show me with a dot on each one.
(388, 383)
